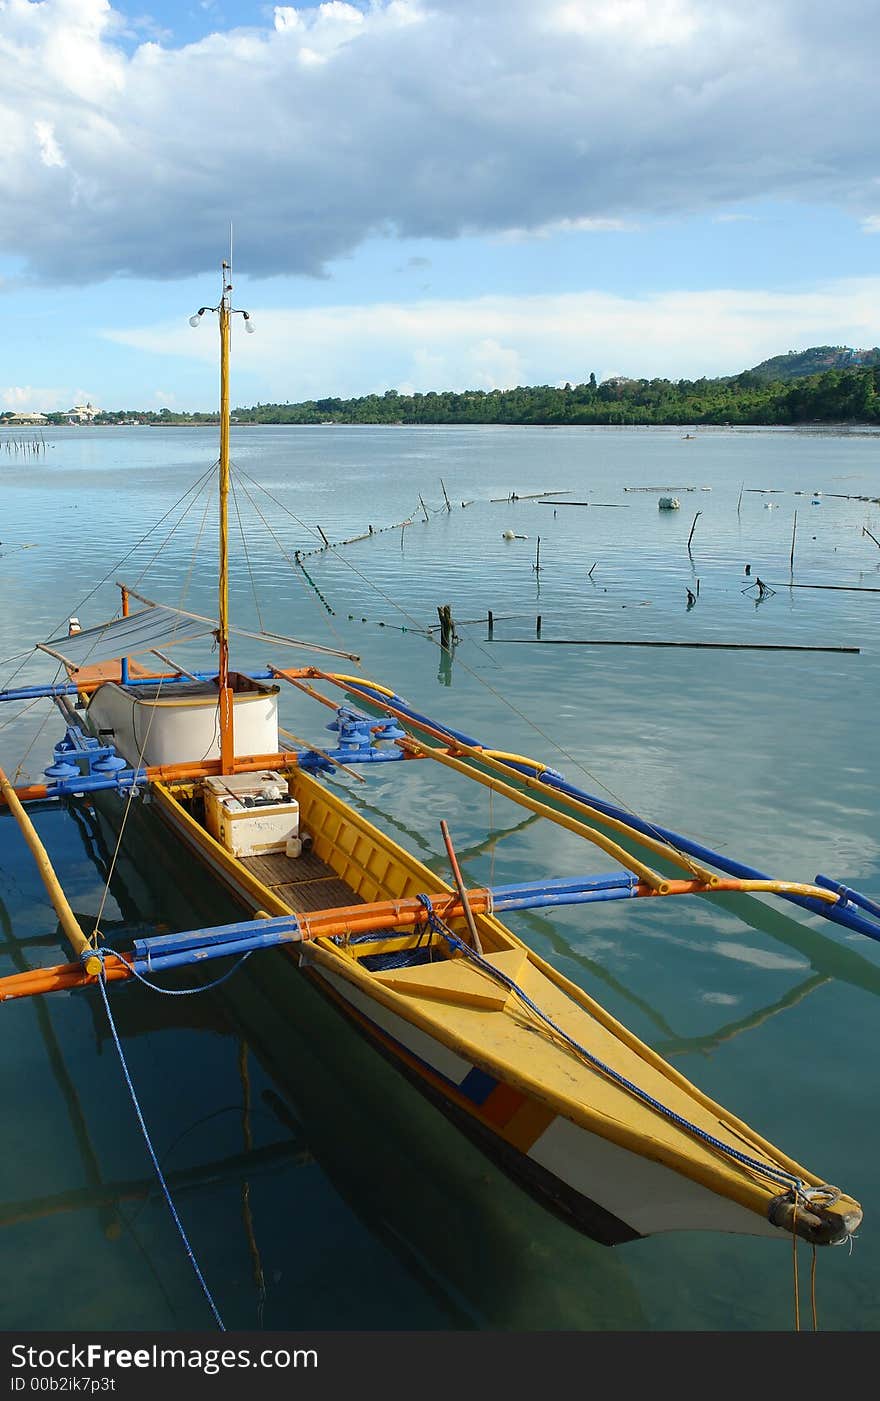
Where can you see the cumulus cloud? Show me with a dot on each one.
(27, 398)
(435, 118)
(498, 342)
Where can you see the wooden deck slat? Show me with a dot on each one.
(318, 895)
(276, 868)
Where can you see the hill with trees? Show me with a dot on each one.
(826, 384)
(835, 396)
(816, 360)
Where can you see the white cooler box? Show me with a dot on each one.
(251, 814)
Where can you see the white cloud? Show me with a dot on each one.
(871, 225)
(50, 151)
(499, 342)
(26, 398)
(567, 226)
(427, 118)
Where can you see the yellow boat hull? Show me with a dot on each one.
(619, 1164)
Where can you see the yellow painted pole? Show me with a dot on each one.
(67, 919)
(497, 759)
(629, 863)
(227, 739)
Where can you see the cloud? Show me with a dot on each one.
(26, 398)
(498, 342)
(871, 225)
(424, 118)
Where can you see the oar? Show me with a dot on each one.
(460, 887)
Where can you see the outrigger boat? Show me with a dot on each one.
(572, 1105)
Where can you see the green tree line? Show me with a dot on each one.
(835, 396)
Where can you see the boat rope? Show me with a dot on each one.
(201, 484)
(188, 992)
(102, 984)
(800, 1189)
(246, 553)
(194, 486)
(133, 789)
(295, 562)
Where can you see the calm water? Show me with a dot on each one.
(360, 1207)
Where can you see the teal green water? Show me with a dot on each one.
(360, 1207)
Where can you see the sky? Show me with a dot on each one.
(429, 194)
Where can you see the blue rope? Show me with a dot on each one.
(189, 992)
(775, 1174)
(102, 984)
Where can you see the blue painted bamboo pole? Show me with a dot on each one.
(70, 688)
(838, 914)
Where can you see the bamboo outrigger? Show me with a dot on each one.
(587, 1117)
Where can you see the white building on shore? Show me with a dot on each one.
(82, 413)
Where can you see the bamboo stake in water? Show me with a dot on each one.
(793, 534)
(693, 527)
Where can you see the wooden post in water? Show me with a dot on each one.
(424, 508)
(445, 497)
(537, 564)
(491, 622)
(793, 534)
(693, 527)
(538, 626)
(447, 627)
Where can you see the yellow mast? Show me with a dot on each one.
(227, 737)
(225, 312)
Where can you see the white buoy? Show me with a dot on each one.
(507, 535)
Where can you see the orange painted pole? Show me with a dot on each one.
(61, 978)
(380, 915)
(167, 773)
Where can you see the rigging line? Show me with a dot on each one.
(188, 580)
(554, 743)
(30, 705)
(133, 788)
(102, 984)
(177, 524)
(767, 1170)
(296, 573)
(136, 546)
(27, 656)
(246, 553)
(337, 554)
(21, 763)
